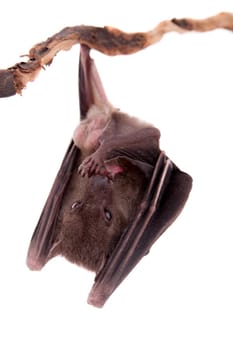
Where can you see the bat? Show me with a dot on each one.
(116, 192)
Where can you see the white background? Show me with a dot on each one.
(180, 295)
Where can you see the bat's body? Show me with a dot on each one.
(107, 187)
(115, 193)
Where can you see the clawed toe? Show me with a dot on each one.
(82, 170)
(92, 166)
(88, 167)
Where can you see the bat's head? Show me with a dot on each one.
(91, 220)
(94, 214)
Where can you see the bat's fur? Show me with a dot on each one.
(94, 213)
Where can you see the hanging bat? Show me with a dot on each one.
(115, 193)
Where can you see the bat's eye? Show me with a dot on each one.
(108, 215)
(76, 205)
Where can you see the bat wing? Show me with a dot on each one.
(43, 239)
(167, 193)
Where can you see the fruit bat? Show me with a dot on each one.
(116, 192)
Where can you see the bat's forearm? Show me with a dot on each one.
(139, 145)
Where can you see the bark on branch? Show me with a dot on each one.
(108, 40)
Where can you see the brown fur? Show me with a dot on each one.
(86, 237)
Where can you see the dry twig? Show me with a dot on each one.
(108, 40)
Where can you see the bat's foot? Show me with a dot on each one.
(93, 165)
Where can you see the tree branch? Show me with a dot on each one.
(108, 40)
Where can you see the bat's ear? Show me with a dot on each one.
(124, 164)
